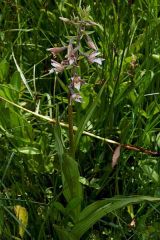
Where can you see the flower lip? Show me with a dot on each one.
(76, 97)
(92, 58)
(77, 82)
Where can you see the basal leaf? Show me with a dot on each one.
(72, 188)
(63, 234)
(95, 211)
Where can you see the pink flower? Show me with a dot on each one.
(71, 54)
(76, 97)
(57, 67)
(92, 58)
(76, 82)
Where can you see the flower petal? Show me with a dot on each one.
(58, 67)
(92, 58)
(99, 60)
(71, 56)
(77, 82)
(76, 97)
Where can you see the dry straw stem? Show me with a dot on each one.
(65, 125)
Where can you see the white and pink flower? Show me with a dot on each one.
(57, 67)
(92, 58)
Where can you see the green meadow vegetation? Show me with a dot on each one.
(79, 119)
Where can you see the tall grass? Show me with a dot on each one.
(45, 192)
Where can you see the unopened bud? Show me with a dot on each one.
(90, 43)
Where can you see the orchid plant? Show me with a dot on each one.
(71, 62)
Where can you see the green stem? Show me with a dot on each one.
(70, 126)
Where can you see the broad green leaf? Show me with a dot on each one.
(4, 69)
(150, 172)
(59, 143)
(72, 188)
(7, 91)
(29, 150)
(95, 211)
(16, 81)
(14, 123)
(22, 216)
(63, 234)
(74, 203)
(59, 207)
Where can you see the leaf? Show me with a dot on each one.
(4, 69)
(95, 211)
(16, 81)
(7, 91)
(63, 234)
(72, 205)
(14, 123)
(156, 57)
(116, 155)
(130, 210)
(150, 172)
(72, 188)
(59, 207)
(29, 150)
(59, 145)
(22, 76)
(22, 216)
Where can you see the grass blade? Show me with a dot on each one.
(22, 76)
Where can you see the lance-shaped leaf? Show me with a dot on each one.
(22, 76)
(95, 211)
(72, 188)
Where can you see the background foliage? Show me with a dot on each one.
(44, 192)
